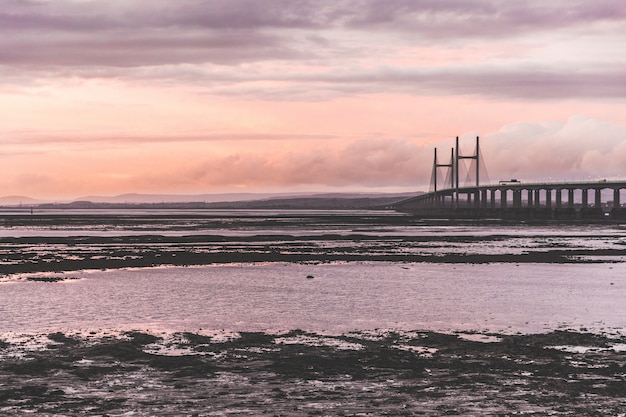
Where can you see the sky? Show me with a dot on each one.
(105, 97)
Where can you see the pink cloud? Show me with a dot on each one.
(194, 96)
(574, 149)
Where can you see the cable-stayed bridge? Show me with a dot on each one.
(510, 199)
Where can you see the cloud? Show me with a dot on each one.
(161, 32)
(531, 83)
(314, 50)
(578, 148)
(459, 20)
(528, 83)
(65, 139)
(364, 164)
(144, 33)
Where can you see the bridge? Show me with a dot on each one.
(513, 199)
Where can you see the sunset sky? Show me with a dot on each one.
(190, 96)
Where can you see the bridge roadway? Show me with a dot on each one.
(518, 200)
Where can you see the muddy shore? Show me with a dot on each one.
(110, 242)
(29, 255)
(298, 373)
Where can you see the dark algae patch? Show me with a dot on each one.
(300, 373)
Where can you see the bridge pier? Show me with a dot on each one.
(570, 198)
(484, 202)
(517, 199)
(536, 199)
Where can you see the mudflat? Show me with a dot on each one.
(55, 243)
(299, 373)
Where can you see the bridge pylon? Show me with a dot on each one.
(459, 157)
(455, 173)
(450, 175)
(505, 199)
(436, 165)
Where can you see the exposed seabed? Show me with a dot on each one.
(381, 373)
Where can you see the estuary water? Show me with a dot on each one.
(340, 297)
(328, 295)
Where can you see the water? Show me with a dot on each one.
(341, 296)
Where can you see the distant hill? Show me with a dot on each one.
(326, 201)
(134, 198)
(335, 201)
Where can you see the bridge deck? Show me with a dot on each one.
(523, 200)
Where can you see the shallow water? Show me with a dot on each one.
(341, 297)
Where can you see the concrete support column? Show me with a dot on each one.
(570, 198)
(585, 198)
(483, 199)
(616, 202)
(529, 199)
(503, 198)
(477, 199)
(598, 199)
(559, 202)
(537, 201)
(549, 198)
(517, 199)
(493, 198)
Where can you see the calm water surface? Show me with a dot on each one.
(340, 297)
